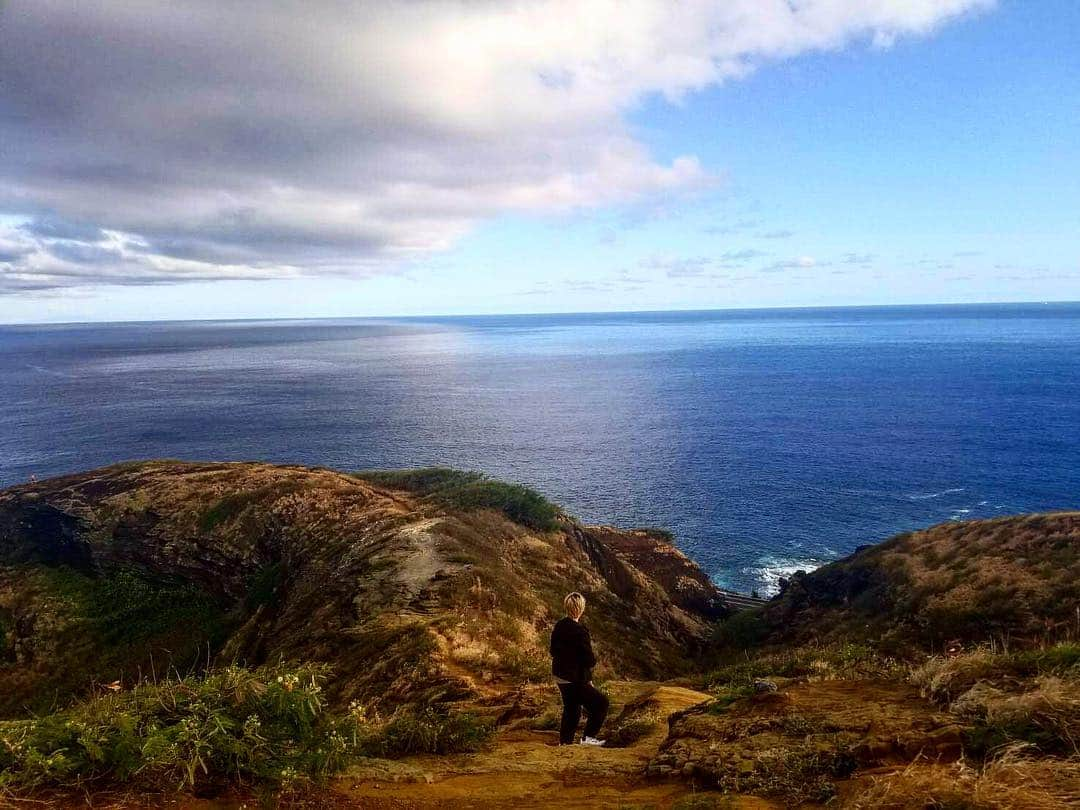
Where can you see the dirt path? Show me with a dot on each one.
(527, 769)
(886, 725)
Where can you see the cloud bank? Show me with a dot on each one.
(157, 142)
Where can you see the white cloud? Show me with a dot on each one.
(798, 263)
(254, 138)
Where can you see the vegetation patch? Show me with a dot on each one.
(726, 696)
(128, 609)
(234, 726)
(705, 801)
(105, 628)
(1030, 698)
(430, 730)
(820, 662)
(228, 508)
(944, 679)
(638, 719)
(1012, 782)
(797, 774)
(469, 491)
(263, 585)
(741, 631)
(422, 480)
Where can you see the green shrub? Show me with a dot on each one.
(432, 730)
(741, 631)
(1058, 659)
(234, 725)
(262, 586)
(804, 725)
(516, 501)
(124, 611)
(526, 664)
(423, 480)
(549, 720)
(745, 673)
(129, 608)
(469, 490)
(798, 774)
(825, 662)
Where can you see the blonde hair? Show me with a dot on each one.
(574, 604)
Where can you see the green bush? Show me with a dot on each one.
(129, 608)
(267, 725)
(124, 611)
(797, 774)
(469, 490)
(423, 480)
(519, 503)
(432, 730)
(1058, 659)
(745, 673)
(262, 586)
(741, 631)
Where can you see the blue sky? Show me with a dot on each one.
(938, 165)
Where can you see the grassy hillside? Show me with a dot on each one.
(218, 626)
(940, 668)
(413, 586)
(1008, 582)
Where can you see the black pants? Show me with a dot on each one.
(574, 697)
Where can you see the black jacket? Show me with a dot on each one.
(572, 656)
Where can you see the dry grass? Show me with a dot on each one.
(1031, 697)
(1015, 581)
(1013, 781)
(943, 680)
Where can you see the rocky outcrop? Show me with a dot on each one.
(133, 568)
(682, 579)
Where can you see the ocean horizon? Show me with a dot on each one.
(976, 305)
(767, 440)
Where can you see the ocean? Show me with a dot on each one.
(766, 440)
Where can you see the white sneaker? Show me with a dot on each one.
(592, 741)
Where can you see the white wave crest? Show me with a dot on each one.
(768, 570)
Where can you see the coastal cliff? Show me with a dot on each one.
(378, 639)
(413, 586)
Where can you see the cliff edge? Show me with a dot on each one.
(413, 586)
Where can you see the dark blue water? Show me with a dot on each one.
(765, 440)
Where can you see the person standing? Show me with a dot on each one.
(572, 661)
